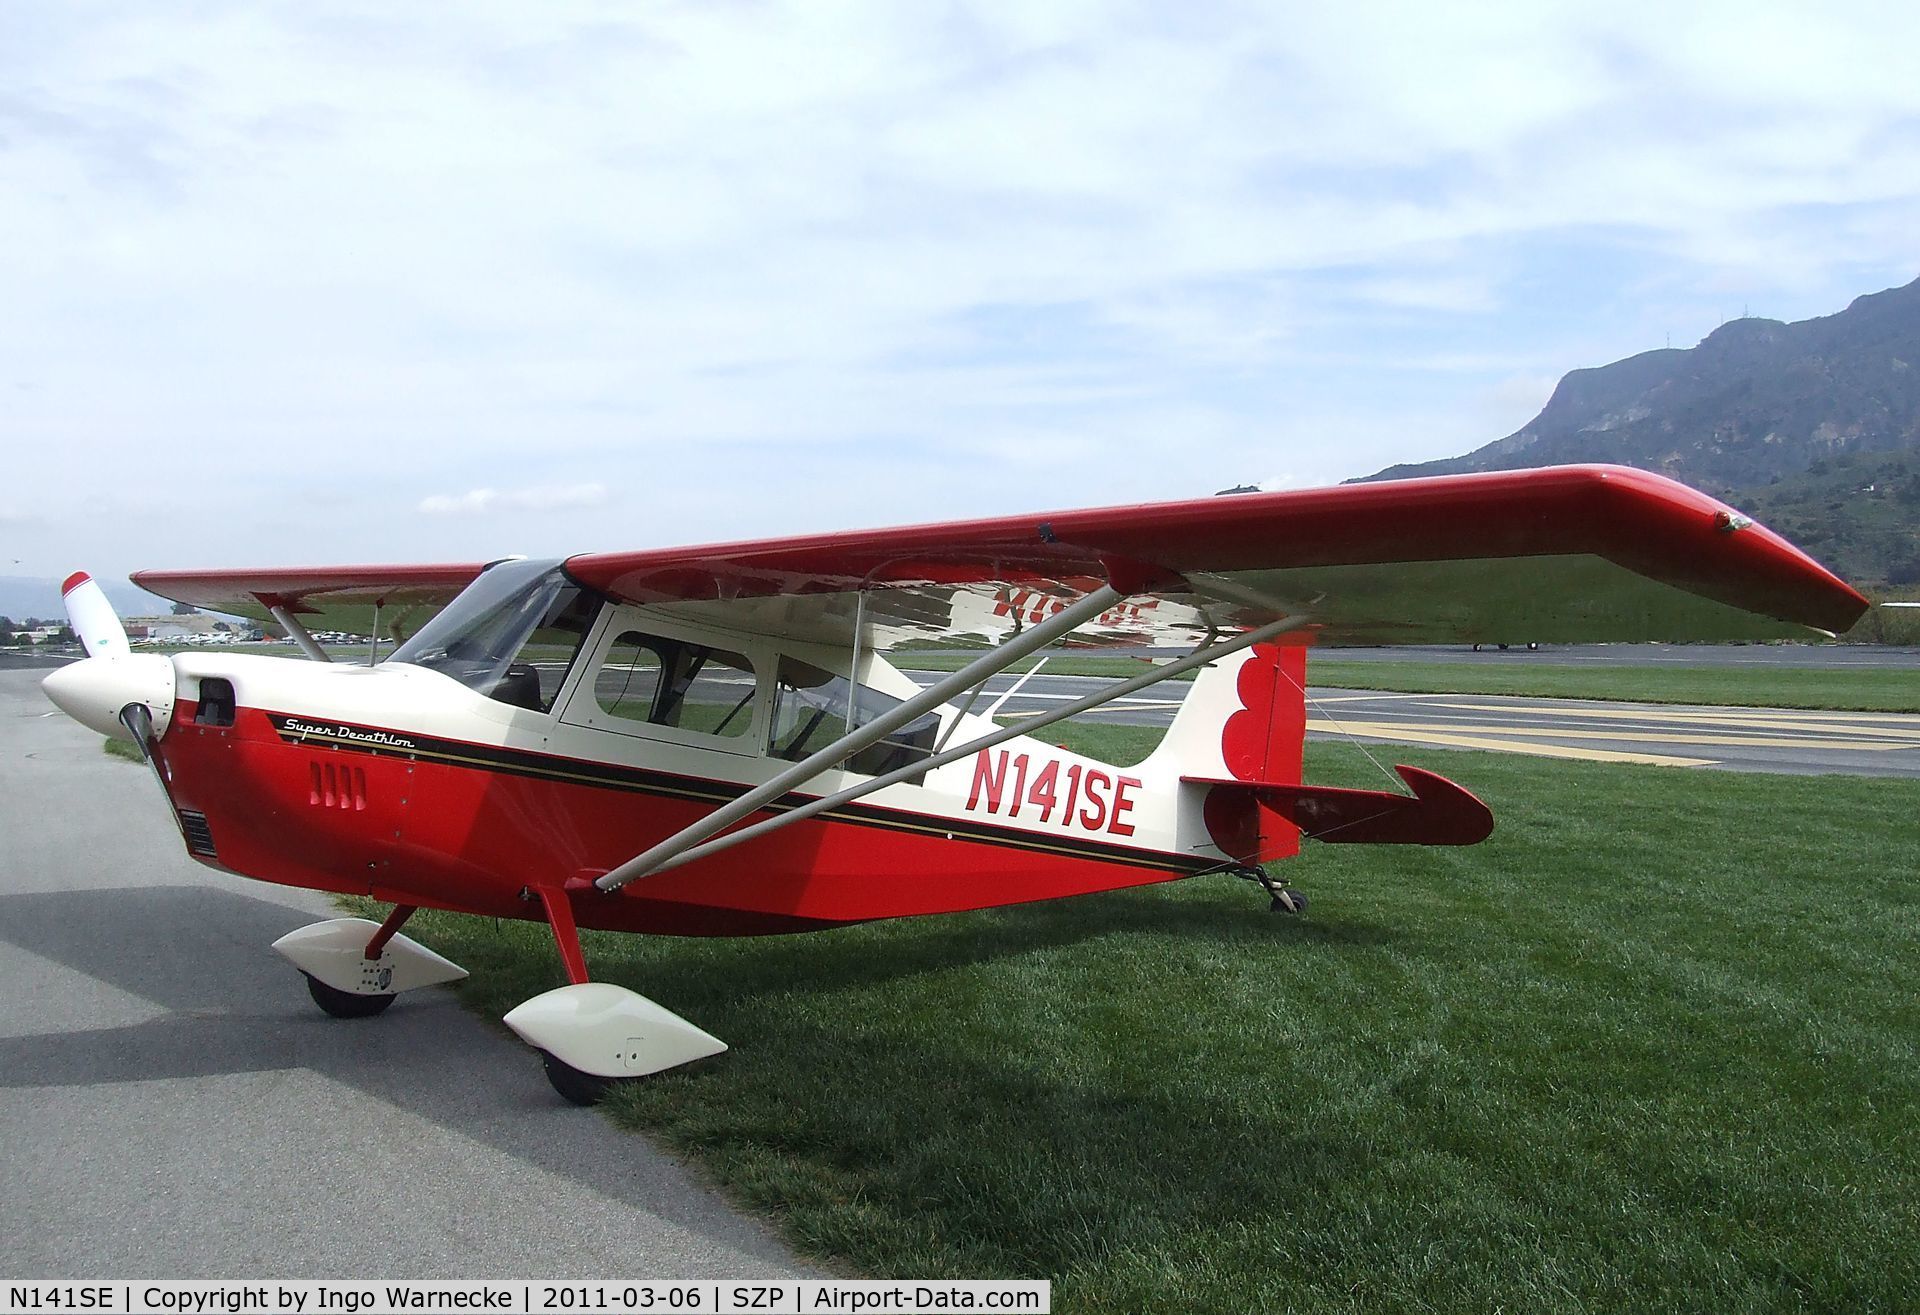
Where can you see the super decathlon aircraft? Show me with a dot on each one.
(708, 741)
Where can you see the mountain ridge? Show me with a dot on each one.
(1746, 415)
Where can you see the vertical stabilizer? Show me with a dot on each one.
(1244, 720)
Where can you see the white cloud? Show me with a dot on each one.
(1137, 247)
(476, 502)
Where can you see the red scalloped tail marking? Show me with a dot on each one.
(1263, 741)
(73, 582)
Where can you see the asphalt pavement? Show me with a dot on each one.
(172, 1104)
(1738, 739)
(1826, 657)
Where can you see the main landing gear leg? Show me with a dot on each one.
(354, 967)
(1285, 897)
(591, 1035)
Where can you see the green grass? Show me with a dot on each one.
(115, 748)
(1651, 1047)
(1863, 690)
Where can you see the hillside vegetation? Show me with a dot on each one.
(1814, 427)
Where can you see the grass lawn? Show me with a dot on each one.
(115, 748)
(1651, 1047)
(1745, 687)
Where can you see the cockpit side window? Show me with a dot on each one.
(678, 683)
(810, 713)
(512, 635)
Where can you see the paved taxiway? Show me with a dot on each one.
(173, 1105)
(1825, 657)
(1744, 739)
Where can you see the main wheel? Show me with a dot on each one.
(573, 1085)
(1288, 900)
(345, 1004)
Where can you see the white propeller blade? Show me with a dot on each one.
(93, 618)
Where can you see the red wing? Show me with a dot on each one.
(1567, 553)
(1562, 554)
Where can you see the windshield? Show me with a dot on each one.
(511, 635)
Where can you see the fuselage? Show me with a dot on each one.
(535, 736)
(403, 784)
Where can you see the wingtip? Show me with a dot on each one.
(73, 582)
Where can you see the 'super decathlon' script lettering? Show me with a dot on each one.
(1077, 797)
(354, 734)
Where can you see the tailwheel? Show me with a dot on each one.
(1288, 900)
(574, 1086)
(1283, 896)
(345, 1004)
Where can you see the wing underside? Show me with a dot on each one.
(1558, 555)
(347, 598)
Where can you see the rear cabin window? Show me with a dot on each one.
(811, 712)
(673, 682)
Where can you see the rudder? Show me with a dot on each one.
(1245, 719)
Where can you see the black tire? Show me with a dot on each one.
(345, 1004)
(574, 1086)
(1289, 900)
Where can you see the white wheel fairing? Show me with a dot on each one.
(335, 953)
(609, 1031)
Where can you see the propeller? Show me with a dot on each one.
(92, 617)
(112, 690)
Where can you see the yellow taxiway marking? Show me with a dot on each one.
(1413, 735)
(1375, 697)
(1654, 737)
(1816, 732)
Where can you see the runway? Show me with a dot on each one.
(1825, 657)
(1739, 739)
(173, 1105)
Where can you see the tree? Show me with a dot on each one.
(185, 609)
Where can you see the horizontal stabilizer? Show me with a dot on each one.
(1438, 812)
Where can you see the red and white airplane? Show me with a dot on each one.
(710, 741)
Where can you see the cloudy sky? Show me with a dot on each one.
(316, 283)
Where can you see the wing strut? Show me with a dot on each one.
(1199, 657)
(1063, 622)
(298, 634)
